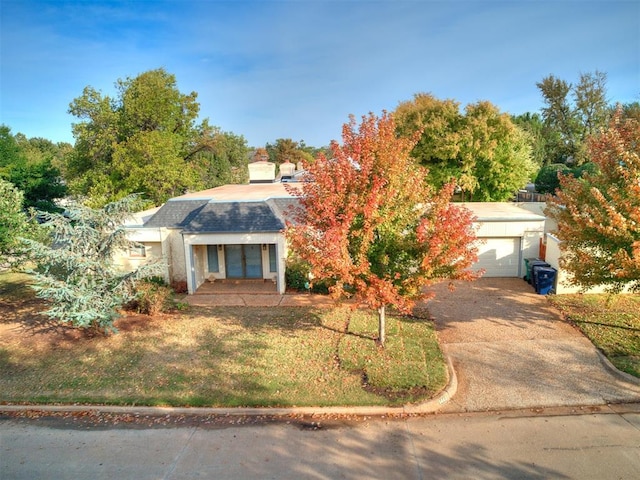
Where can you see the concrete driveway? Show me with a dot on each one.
(510, 349)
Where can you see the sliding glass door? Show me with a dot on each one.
(243, 261)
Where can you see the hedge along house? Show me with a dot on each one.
(508, 233)
(233, 232)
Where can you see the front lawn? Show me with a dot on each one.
(223, 356)
(612, 323)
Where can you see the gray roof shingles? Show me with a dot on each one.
(206, 216)
(234, 217)
(176, 213)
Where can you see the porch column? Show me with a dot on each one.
(190, 267)
(281, 284)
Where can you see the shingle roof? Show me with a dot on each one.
(234, 217)
(176, 213)
(283, 207)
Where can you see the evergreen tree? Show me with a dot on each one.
(76, 273)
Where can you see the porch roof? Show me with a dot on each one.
(234, 217)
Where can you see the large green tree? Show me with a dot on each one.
(533, 124)
(76, 273)
(441, 123)
(145, 140)
(287, 150)
(496, 155)
(598, 214)
(371, 225)
(571, 113)
(223, 161)
(482, 148)
(13, 220)
(29, 165)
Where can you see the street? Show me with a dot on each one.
(590, 443)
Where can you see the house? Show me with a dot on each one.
(232, 232)
(236, 232)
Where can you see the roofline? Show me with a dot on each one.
(530, 218)
(213, 200)
(243, 232)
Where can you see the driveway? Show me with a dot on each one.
(510, 349)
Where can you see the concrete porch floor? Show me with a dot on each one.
(231, 287)
(252, 293)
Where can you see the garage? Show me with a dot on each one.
(509, 233)
(499, 257)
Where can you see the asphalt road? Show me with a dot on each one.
(591, 443)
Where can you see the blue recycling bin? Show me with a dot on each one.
(533, 265)
(545, 280)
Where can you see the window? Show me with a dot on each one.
(137, 251)
(273, 264)
(212, 258)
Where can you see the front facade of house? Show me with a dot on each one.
(236, 232)
(233, 232)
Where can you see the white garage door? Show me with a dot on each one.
(500, 257)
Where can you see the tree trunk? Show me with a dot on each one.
(381, 326)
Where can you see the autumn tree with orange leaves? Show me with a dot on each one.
(598, 214)
(371, 225)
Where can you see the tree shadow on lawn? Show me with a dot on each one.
(282, 319)
(141, 365)
(20, 317)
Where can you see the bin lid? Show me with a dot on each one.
(539, 263)
(541, 269)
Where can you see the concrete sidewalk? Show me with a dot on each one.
(511, 350)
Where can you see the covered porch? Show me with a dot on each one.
(230, 263)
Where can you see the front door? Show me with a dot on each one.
(243, 261)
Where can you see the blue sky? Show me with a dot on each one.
(297, 69)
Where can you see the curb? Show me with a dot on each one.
(430, 406)
(614, 370)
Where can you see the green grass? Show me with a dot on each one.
(612, 323)
(225, 356)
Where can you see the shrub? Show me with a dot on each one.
(152, 296)
(179, 287)
(297, 277)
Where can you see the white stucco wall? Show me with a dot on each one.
(128, 263)
(552, 257)
(175, 253)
